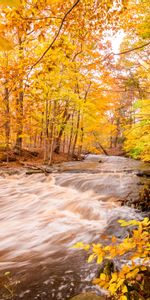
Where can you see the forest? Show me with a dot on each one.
(75, 78)
(74, 149)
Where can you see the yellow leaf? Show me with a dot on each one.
(81, 245)
(133, 273)
(114, 239)
(120, 221)
(146, 222)
(123, 222)
(124, 289)
(5, 45)
(123, 298)
(10, 3)
(127, 223)
(107, 248)
(91, 257)
(86, 247)
(133, 222)
(99, 259)
(114, 277)
(103, 276)
(120, 282)
(112, 288)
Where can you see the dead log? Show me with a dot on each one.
(34, 169)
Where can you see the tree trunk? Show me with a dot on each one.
(42, 130)
(7, 119)
(52, 129)
(71, 135)
(82, 126)
(66, 117)
(19, 105)
(104, 150)
(46, 141)
(117, 133)
(81, 139)
(76, 134)
(19, 110)
(100, 146)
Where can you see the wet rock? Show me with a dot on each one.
(33, 169)
(10, 172)
(140, 183)
(88, 296)
(100, 161)
(143, 203)
(143, 173)
(107, 267)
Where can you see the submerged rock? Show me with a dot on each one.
(143, 173)
(88, 296)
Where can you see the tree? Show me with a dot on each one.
(58, 71)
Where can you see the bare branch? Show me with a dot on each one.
(124, 52)
(73, 59)
(133, 49)
(57, 34)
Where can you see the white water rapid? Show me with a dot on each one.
(42, 216)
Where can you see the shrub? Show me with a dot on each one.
(131, 282)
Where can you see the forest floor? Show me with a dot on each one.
(12, 160)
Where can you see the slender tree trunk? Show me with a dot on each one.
(19, 105)
(7, 118)
(81, 117)
(111, 134)
(111, 141)
(100, 145)
(42, 130)
(35, 140)
(76, 134)
(51, 145)
(58, 140)
(64, 143)
(117, 133)
(46, 137)
(19, 110)
(102, 148)
(81, 139)
(71, 135)
(52, 131)
(66, 117)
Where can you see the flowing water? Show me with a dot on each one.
(43, 216)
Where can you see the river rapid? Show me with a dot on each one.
(42, 216)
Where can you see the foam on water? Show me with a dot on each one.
(42, 217)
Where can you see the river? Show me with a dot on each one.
(43, 216)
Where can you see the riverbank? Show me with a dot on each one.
(12, 159)
(16, 161)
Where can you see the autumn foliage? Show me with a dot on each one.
(63, 89)
(132, 279)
